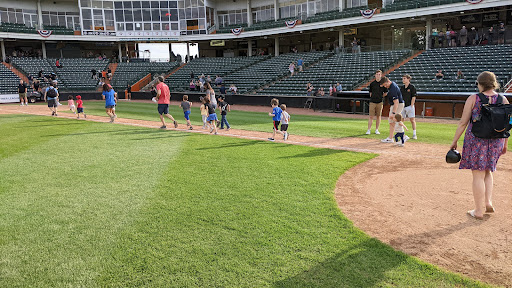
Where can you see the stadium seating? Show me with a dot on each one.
(8, 81)
(16, 28)
(32, 66)
(351, 70)
(75, 73)
(261, 73)
(470, 60)
(222, 66)
(413, 4)
(60, 30)
(131, 72)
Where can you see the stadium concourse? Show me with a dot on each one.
(426, 222)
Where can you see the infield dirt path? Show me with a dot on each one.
(407, 197)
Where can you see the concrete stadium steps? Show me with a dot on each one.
(470, 60)
(9, 79)
(348, 69)
(128, 73)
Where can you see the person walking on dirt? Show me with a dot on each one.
(478, 154)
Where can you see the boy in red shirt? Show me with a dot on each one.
(79, 107)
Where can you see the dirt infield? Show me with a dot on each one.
(407, 197)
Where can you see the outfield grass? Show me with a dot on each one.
(94, 205)
(316, 126)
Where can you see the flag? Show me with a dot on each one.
(368, 13)
(291, 23)
(236, 31)
(45, 33)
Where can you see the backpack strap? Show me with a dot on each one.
(483, 98)
(500, 99)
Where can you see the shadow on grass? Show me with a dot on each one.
(315, 153)
(147, 131)
(360, 265)
(238, 144)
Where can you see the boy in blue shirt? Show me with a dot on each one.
(276, 117)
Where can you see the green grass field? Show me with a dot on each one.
(86, 204)
(316, 126)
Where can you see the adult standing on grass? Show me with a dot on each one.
(396, 103)
(376, 103)
(110, 97)
(478, 154)
(51, 94)
(409, 95)
(163, 95)
(22, 91)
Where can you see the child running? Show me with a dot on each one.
(79, 107)
(185, 105)
(212, 116)
(285, 119)
(110, 97)
(204, 112)
(399, 129)
(224, 108)
(276, 117)
(71, 104)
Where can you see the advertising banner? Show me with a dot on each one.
(9, 98)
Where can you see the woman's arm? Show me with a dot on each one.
(464, 120)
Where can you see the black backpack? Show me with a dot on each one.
(51, 93)
(493, 122)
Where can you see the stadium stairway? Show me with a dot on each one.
(16, 71)
(387, 72)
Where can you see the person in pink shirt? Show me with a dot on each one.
(163, 96)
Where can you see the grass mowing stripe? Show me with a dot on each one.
(240, 213)
(315, 126)
(66, 196)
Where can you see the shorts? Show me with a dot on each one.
(79, 110)
(408, 112)
(212, 117)
(72, 107)
(399, 110)
(23, 95)
(284, 127)
(52, 102)
(276, 125)
(186, 114)
(163, 109)
(110, 106)
(376, 109)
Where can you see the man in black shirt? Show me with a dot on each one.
(22, 91)
(409, 95)
(376, 95)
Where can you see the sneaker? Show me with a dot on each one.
(190, 128)
(215, 133)
(78, 117)
(368, 132)
(211, 130)
(218, 123)
(400, 145)
(286, 136)
(387, 140)
(21, 104)
(414, 137)
(53, 113)
(228, 129)
(271, 139)
(163, 127)
(85, 116)
(406, 138)
(377, 132)
(175, 124)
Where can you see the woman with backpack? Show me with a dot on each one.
(479, 154)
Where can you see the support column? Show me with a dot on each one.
(249, 14)
(39, 15)
(188, 51)
(216, 16)
(43, 49)
(2, 47)
(428, 33)
(120, 52)
(276, 46)
(276, 10)
(341, 38)
(340, 3)
(249, 47)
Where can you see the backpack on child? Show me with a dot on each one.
(494, 120)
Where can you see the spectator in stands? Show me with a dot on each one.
(191, 75)
(433, 38)
(218, 80)
(57, 63)
(222, 89)
(198, 85)
(94, 74)
(36, 86)
(409, 95)
(337, 49)
(40, 74)
(440, 39)
(460, 75)
(501, 33)
(338, 87)
(30, 78)
(233, 89)
(291, 68)
(331, 90)
(377, 94)
(355, 46)
(473, 36)
(490, 36)
(104, 56)
(109, 74)
(396, 103)
(320, 92)
(192, 85)
(300, 63)
(439, 75)
(449, 37)
(309, 89)
(209, 79)
(202, 79)
(463, 36)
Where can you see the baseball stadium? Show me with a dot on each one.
(255, 143)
